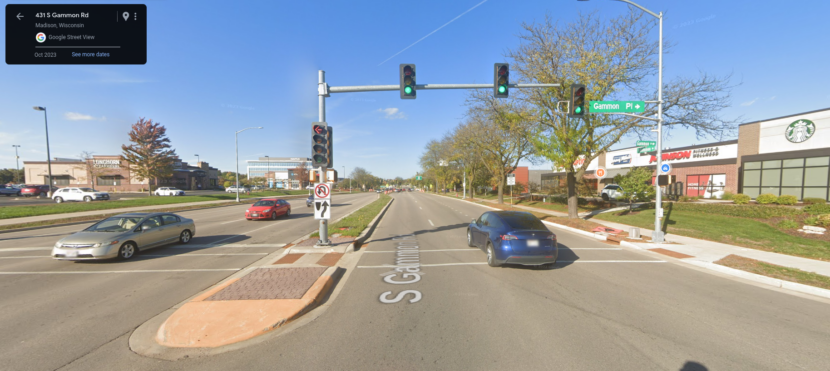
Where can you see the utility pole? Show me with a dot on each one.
(17, 160)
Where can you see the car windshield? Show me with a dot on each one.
(264, 203)
(115, 224)
(523, 221)
(87, 189)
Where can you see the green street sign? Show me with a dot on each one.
(646, 143)
(646, 149)
(623, 106)
(418, 178)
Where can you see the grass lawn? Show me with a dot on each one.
(730, 230)
(71, 207)
(775, 271)
(359, 220)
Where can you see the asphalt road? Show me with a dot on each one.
(54, 312)
(602, 308)
(21, 201)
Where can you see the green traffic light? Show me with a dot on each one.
(578, 110)
(407, 90)
(502, 89)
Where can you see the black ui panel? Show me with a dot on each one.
(76, 34)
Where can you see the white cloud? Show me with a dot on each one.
(75, 116)
(747, 104)
(392, 113)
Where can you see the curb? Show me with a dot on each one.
(350, 248)
(798, 287)
(370, 228)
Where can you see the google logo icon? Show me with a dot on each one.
(41, 37)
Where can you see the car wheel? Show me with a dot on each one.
(58, 199)
(470, 238)
(185, 236)
(491, 256)
(87, 199)
(605, 197)
(127, 251)
(288, 213)
(274, 215)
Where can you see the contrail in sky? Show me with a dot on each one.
(436, 30)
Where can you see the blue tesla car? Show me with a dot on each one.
(514, 237)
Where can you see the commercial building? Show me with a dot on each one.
(787, 155)
(284, 172)
(112, 173)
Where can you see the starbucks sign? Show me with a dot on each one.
(800, 130)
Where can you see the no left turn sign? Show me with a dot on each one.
(322, 191)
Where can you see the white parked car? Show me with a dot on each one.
(232, 189)
(169, 191)
(79, 194)
(612, 192)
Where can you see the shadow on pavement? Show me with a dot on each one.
(693, 366)
(423, 231)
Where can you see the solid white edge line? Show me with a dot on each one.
(558, 262)
(28, 256)
(430, 222)
(130, 271)
(439, 250)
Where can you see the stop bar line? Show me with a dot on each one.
(130, 271)
(558, 262)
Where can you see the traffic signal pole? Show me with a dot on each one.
(324, 230)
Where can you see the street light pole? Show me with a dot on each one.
(657, 235)
(236, 142)
(48, 154)
(17, 160)
(197, 159)
(268, 173)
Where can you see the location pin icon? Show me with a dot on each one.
(126, 15)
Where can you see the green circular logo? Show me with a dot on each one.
(800, 130)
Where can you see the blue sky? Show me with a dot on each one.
(214, 67)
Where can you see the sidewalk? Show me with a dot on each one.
(702, 252)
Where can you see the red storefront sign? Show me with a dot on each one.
(673, 156)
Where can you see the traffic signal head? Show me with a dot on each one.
(501, 77)
(576, 107)
(407, 72)
(330, 148)
(319, 144)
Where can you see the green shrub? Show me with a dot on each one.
(811, 220)
(740, 199)
(766, 199)
(814, 201)
(788, 224)
(824, 221)
(686, 199)
(817, 209)
(727, 196)
(746, 211)
(787, 200)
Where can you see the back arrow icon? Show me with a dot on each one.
(19, 16)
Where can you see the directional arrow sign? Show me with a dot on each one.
(646, 143)
(646, 149)
(624, 106)
(322, 210)
(419, 177)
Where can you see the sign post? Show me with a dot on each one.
(511, 181)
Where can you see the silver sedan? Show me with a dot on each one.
(122, 236)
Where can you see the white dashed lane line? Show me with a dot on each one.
(430, 222)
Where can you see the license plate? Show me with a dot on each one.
(71, 254)
(532, 243)
(254, 214)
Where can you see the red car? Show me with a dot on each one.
(35, 190)
(268, 208)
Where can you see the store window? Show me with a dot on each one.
(59, 180)
(108, 181)
(706, 186)
(800, 177)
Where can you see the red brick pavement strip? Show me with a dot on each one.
(271, 283)
(289, 258)
(330, 259)
(673, 254)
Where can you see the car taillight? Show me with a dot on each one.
(506, 237)
(551, 237)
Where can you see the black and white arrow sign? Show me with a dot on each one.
(322, 209)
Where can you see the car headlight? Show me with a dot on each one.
(58, 244)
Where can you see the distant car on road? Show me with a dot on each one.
(514, 237)
(122, 236)
(309, 201)
(268, 208)
(232, 189)
(79, 194)
(169, 191)
(9, 191)
(611, 191)
(35, 190)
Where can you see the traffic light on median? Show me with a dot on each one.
(576, 107)
(319, 144)
(407, 81)
(501, 77)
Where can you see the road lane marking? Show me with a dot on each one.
(439, 250)
(198, 254)
(430, 222)
(24, 257)
(193, 246)
(420, 207)
(232, 221)
(246, 233)
(129, 271)
(558, 262)
(13, 249)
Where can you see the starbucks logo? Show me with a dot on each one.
(800, 131)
